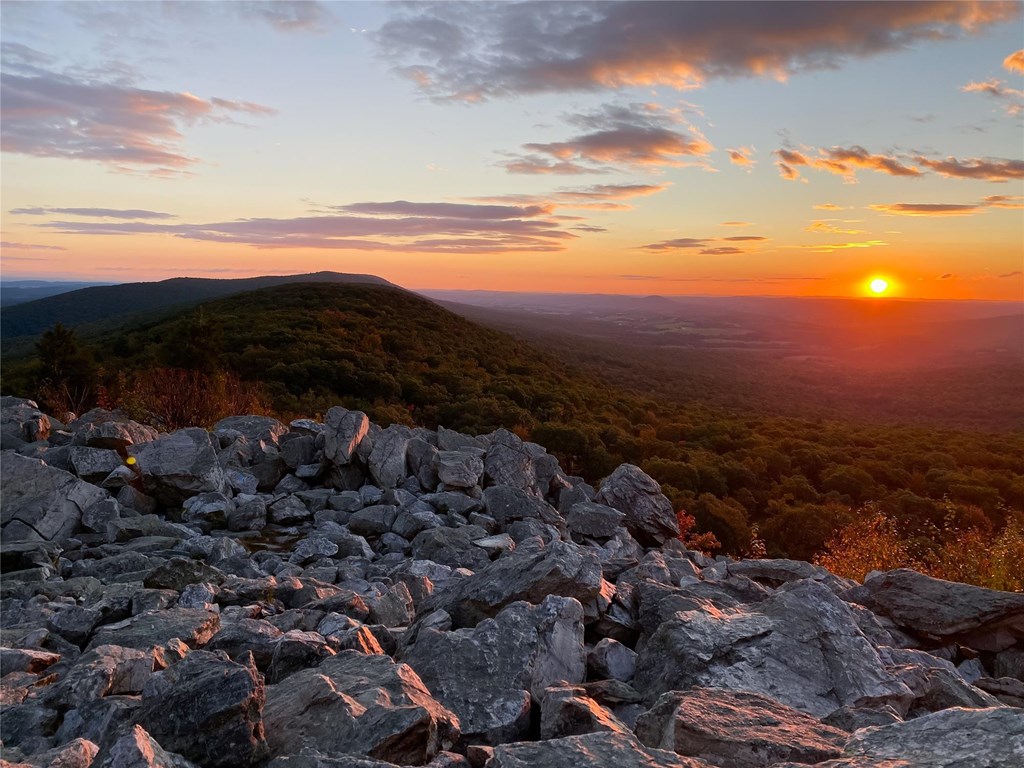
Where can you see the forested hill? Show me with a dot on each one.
(88, 305)
(299, 349)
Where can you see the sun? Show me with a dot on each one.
(878, 285)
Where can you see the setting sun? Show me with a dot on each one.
(878, 286)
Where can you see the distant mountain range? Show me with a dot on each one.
(109, 302)
(19, 291)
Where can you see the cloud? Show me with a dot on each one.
(372, 226)
(30, 247)
(1015, 61)
(288, 15)
(742, 156)
(706, 244)
(949, 209)
(986, 169)
(829, 207)
(831, 247)
(602, 197)
(1011, 98)
(737, 224)
(722, 250)
(1004, 201)
(824, 226)
(1015, 273)
(633, 136)
(50, 114)
(99, 213)
(842, 161)
(925, 209)
(474, 52)
(947, 276)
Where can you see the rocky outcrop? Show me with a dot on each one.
(41, 503)
(736, 729)
(336, 595)
(978, 618)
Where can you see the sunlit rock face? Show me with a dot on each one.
(339, 594)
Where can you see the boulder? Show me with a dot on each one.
(138, 749)
(774, 573)
(649, 515)
(21, 421)
(983, 619)
(566, 710)
(387, 460)
(593, 750)
(531, 572)
(451, 546)
(155, 628)
(41, 503)
(360, 705)
(343, 431)
(100, 428)
(78, 753)
(612, 660)
(255, 429)
(964, 738)
(801, 646)
(508, 462)
(459, 469)
(105, 670)
(179, 465)
(737, 729)
(93, 464)
(503, 663)
(208, 709)
(594, 520)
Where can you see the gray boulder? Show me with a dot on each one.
(960, 738)
(100, 428)
(502, 664)
(21, 422)
(649, 515)
(255, 429)
(612, 660)
(736, 729)
(567, 710)
(801, 646)
(594, 520)
(343, 431)
(137, 749)
(360, 705)
(387, 460)
(92, 464)
(41, 503)
(459, 469)
(179, 465)
(979, 618)
(531, 572)
(156, 628)
(592, 750)
(208, 709)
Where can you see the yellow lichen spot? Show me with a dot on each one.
(130, 461)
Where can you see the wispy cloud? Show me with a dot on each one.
(949, 209)
(705, 245)
(98, 213)
(842, 161)
(601, 197)
(371, 226)
(1012, 99)
(831, 247)
(473, 52)
(613, 137)
(288, 15)
(737, 224)
(986, 169)
(51, 114)
(829, 207)
(742, 156)
(30, 246)
(826, 227)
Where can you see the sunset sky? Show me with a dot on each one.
(626, 147)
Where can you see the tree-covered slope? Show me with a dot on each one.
(88, 305)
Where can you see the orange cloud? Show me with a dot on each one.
(1013, 98)
(828, 207)
(1015, 61)
(841, 161)
(987, 169)
(638, 135)
(737, 224)
(706, 244)
(830, 247)
(50, 114)
(742, 156)
(824, 227)
(1004, 201)
(925, 209)
(455, 51)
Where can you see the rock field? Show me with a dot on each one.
(338, 595)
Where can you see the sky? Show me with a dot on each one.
(616, 147)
